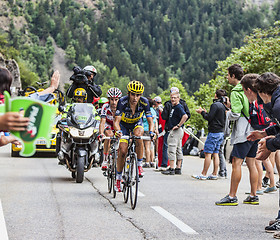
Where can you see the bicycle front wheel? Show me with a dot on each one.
(126, 182)
(134, 179)
(109, 174)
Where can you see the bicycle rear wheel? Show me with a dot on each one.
(134, 179)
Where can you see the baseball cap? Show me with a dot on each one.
(157, 99)
(174, 90)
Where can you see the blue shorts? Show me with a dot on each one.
(245, 149)
(213, 142)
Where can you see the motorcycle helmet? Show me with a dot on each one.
(114, 93)
(91, 69)
(135, 87)
(80, 93)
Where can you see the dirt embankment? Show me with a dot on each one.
(59, 63)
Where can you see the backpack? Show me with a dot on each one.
(258, 118)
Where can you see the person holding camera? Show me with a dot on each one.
(216, 123)
(84, 78)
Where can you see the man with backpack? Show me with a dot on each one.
(242, 148)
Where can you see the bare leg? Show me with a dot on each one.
(207, 163)
(269, 171)
(260, 173)
(216, 161)
(235, 176)
(253, 175)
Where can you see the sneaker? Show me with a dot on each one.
(199, 177)
(117, 186)
(170, 171)
(276, 235)
(163, 168)
(141, 171)
(273, 227)
(278, 184)
(258, 192)
(270, 189)
(104, 166)
(265, 182)
(178, 171)
(227, 201)
(212, 177)
(221, 175)
(252, 200)
(146, 165)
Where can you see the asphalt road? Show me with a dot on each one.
(40, 200)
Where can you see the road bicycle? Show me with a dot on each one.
(112, 160)
(130, 174)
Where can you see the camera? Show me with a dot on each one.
(80, 75)
(223, 99)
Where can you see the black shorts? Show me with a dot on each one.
(245, 149)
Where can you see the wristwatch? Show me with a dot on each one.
(178, 126)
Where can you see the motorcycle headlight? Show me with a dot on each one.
(77, 133)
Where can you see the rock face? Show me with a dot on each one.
(12, 66)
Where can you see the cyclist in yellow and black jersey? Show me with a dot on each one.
(128, 118)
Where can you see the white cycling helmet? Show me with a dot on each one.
(114, 92)
(90, 68)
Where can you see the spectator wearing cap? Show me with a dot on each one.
(177, 118)
(165, 116)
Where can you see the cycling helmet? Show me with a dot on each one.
(91, 69)
(103, 100)
(114, 93)
(80, 92)
(135, 87)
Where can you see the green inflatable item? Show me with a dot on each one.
(41, 117)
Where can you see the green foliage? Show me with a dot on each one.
(260, 53)
(28, 78)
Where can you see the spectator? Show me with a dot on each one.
(165, 116)
(258, 120)
(268, 87)
(148, 145)
(9, 121)
(241, 146)
(177, 118)
(216, 124)
(46, 95)
(222, 166)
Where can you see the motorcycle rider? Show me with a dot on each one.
(128, 118)
(80, 96)
(91, 88)
(106, 123)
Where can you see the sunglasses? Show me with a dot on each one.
(135, 94)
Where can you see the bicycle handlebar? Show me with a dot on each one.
(129, 137)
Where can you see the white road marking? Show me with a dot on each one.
(141, 194)
(3, 229)
(178, 223)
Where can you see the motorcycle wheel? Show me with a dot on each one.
(73, 175)
(80, 169)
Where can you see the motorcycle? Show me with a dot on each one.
(77, 142)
